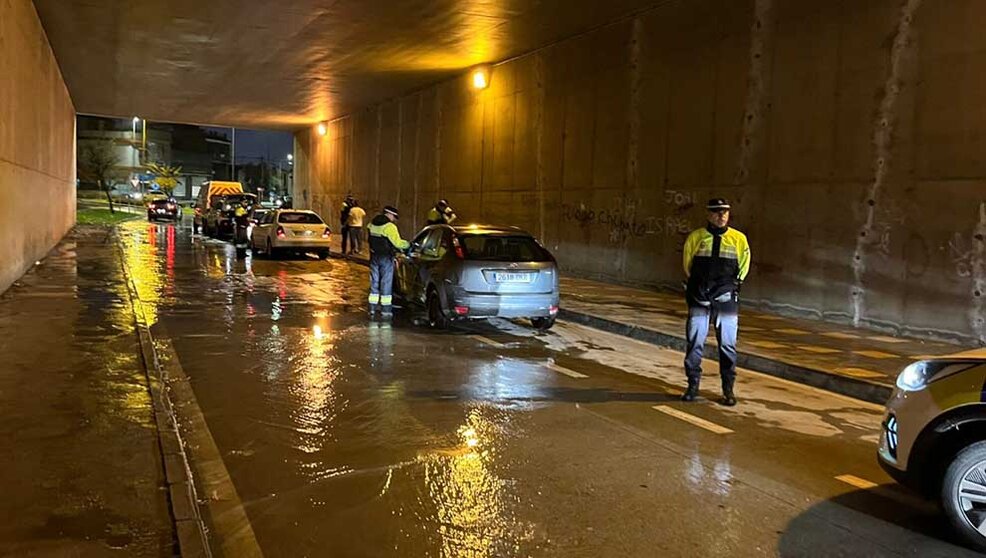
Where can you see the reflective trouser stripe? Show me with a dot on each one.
(386, 300)
(375, 299)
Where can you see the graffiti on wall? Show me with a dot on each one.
(621, 220)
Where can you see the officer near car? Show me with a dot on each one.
(385, 242)
(441, 214)
(716, 260)
(347, 205)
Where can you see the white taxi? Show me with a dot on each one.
(290, 230)
(934, 437)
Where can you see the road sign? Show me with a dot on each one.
(134, 181)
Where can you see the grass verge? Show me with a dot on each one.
(100, 216)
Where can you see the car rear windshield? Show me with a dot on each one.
(299, 219)
(497, 248)
(161, 202)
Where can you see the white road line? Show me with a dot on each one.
(856, 481)
(699, 422)
(565, 371)
(488, 341)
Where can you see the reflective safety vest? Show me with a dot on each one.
(715, 262)
(436, 217)
(385, 239)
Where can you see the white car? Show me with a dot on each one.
(290, 230)
(934, 437)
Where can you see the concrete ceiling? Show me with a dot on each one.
(289, 64)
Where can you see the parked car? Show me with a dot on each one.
(164, 209)
(209, 193)
(291, 230)
(219, 219)
(479, 271)
(934, 437)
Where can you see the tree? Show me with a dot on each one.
(96, 162)
(166, 176)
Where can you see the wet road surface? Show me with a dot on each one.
(316, 433)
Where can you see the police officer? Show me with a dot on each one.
(441, 214)
(347, 205)
(716, 260)
(385, 242)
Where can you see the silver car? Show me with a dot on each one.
(479, 271)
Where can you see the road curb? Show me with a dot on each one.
(190, 529)
(844, 385)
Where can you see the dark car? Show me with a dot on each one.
(167, 208)
(479, 271)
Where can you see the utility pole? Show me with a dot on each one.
(232, 157)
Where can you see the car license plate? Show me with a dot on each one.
(308, 233)
(503, 277)
(160, 211)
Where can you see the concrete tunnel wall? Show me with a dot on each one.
(850, 135)
(37, 143)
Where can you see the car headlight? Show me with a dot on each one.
(916, 376)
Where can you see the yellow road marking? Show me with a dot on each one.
(487, 341)
(856, 481)
(565, 371)
(819, 350)
(692, 419)
(839, 335)
(876, 354)
(767, 344)
(859, 372)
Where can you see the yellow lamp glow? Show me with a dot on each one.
(322, 129)
(481, 78)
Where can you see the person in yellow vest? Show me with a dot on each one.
(385, 242)
(716, 259)
(441, 214)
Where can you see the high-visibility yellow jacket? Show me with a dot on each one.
(436, 217)
(384, 237)
(715, 262)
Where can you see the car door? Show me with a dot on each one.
(407, 267)
(261, 231)
(425, 258)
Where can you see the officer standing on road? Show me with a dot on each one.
(441, 214)
(385, 242)
(347, 205)
(716, 260)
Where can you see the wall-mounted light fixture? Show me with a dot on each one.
(322, 129)
(480, 78)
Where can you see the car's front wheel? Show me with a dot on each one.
(543, 324)
(963, 494)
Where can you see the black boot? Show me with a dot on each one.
(692, 392)
(728, 398)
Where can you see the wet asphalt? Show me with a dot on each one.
(315, 432)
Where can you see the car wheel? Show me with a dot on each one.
(963, 494)
(543, 324)
(436, 317)
(323, 255)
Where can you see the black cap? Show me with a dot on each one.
(391, 210)
(717, 204)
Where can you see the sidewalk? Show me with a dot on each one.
(83, 469)
(856, 362)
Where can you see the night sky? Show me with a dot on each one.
(254, 144)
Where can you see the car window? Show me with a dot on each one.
(299, 219)
(419, 241)
(429, 247)
(499, 248)
(268, 218)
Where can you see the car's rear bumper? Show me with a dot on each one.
(514, 305)
(311, 243)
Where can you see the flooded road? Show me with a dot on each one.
(313, 432)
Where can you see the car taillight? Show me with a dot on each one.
(461, 310)
(459, 251)
(326, 233)
(280, 232)
(171, 206)
(552, 310)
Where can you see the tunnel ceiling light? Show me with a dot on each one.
(480, 78)
(322, 129)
